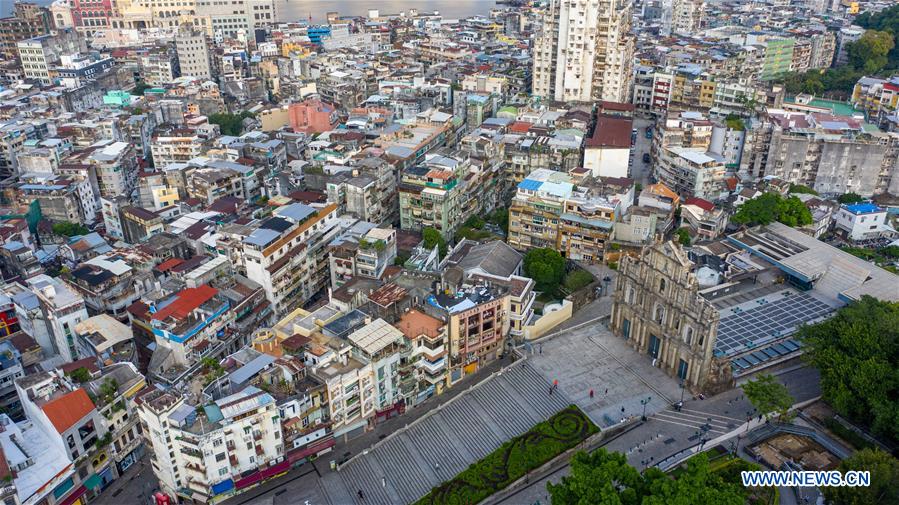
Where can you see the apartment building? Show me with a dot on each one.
(363, 251)
(585, 51)
(170, 145)
(387, 350)
(50, 315)
(187, 327)
(193, 53)
(829, 153)
(27, 21)
(108, 284)
(573, 215)
(287, 253)
(39, 55)
(431, 195)
(212, 450)
(226, 19)
(686, 17)
(477, 318)
(428, 339)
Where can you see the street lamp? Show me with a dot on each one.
(607, 280)
(681, 402)
(645, 403)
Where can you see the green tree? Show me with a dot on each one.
(68, 229)
(605, 478)
(884, 470)
(683, 236)
(230, 124)
(80, 375)
(849, 198)
(869, 53)
(857, 353)
(432, 238)
(547, 267)
(773, 207)
(140, 87)
(800, 189)
(768, 395)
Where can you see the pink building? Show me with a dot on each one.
(312, 116)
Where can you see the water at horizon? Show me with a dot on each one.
(294, 10)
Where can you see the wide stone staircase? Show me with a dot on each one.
(406, 465)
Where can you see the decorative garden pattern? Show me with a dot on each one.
(514, 458)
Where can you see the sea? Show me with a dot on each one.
(294, 10)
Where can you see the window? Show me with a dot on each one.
(220, 457)
(223, 472)
(662, 286)
(688, 335)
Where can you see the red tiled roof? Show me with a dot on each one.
(520, 127)
(702, 204)
(89, 363)
(168, 264)
(188, 300)
(611, 131)
(68, 409)
(731, 183)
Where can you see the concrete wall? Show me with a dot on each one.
(547, 322)
(607, 161)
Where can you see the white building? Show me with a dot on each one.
(607, 153)
(217, 449)
(686, 17)
(381, 344)
(691, 172)
(862, 221)
(350, 384)
(225, 19)
(52, 314)
(585, 51)
(193, 53)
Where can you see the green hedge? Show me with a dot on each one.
(514, 458)
(848, 435)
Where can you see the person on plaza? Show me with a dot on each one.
(591, 394)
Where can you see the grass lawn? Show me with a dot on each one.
(577, 279)
(513, 459)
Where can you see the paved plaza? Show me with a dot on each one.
(590, 357)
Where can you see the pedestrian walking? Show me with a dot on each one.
(550, 390)
(591, 394)
(607, 391)
(383, 482)
(361, 496)
(541, 348)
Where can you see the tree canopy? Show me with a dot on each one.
(230, 124)
(68, 229)
(799, 188)
(869, 53)
(773, 207)
(605, 477)
(884, 470)
(886, 20)
(140, 87)
(547, 268)
(683, 236)
(857, 352)
(768, 395)
(848, 198)
(432, 238)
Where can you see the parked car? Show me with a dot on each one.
(649, 133)
(645, 157)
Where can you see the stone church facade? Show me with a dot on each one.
(657, 308)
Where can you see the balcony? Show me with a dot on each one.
(432, 367)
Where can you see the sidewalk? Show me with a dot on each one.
(136, 485)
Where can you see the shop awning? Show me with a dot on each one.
(93, 482)
(72, 498)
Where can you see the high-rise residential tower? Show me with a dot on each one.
(585, 51)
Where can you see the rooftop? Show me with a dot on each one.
(375, 336)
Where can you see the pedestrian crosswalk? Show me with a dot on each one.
(698, 420)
